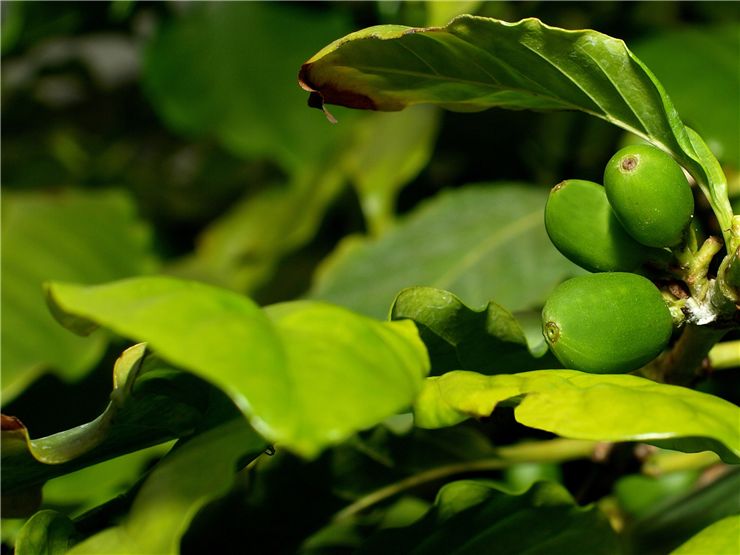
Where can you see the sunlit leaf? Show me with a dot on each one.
(472, 517)
(88, 237)
(306, 374)
(479, 243)
(721, 538)
(589, 406)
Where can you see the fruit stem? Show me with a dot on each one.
(683, 364)
(553, 450)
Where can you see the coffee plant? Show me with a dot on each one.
(358, 353)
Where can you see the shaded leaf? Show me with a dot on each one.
(720, 538)
(238, 84)
(471, 517)
(671, 523)
(479, 243)
(46, 533)
(490, 340)
(710, 104)
(306, 374)
(89, 237)
(150, 404)
(474, 63)
(195, 472)
(388, 151)
(589, 406)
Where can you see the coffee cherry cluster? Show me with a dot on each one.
(615, 320)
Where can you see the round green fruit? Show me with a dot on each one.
(606, 323)
(583, 227)
(649, 194)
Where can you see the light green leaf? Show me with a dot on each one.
(195, 472)
(474, 63)
(589, 406)
(89, 237)
(46, 533)
(306, 374)
(490, 340)
(721, 538)
(471, 517)
(709, 101)
(238, 82)
(480, 243)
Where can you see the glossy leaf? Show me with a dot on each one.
(238, 82)
(720, 538)
(710, 104)
(474, 63)
(46, 533)
(150, 404)
(587, 406)
(89, 237)
(195, 472)
(479, 243)
(472, 517)
(490, 340)
(306, 374)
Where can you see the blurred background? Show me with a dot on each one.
(142, 137)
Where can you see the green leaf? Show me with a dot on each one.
(89, 237)
(721, 538)
(710, 100)
(195, 472)
(480, 243)
(241, 249)
(670, 524)
(388, 151)
(474, 63)
(638, 494)
(306, 374)
(238, 84)
(490, 340)
(587, 406)
(472, 517)
(150, 404)
(46, 533)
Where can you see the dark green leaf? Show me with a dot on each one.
(490, 340)
(306, 374)
(228, 70)
(709, 100)
(85, 237)
(46, 533)
(472, 517)
(480, 243)
(195, 472)
(150, 404)
(474, 63)
(589, 406)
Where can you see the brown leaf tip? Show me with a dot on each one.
(9, 423)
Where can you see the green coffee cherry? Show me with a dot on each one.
(606, 323)
(649, 194)
(582, 226)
